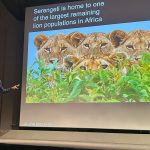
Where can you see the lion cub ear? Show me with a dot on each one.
(75, 38)
(117, 37)
(40, 40)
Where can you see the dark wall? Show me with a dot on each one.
(11, 52)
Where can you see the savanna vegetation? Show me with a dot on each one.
(46, 85)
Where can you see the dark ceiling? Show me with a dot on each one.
(17, 7)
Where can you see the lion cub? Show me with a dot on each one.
(133, 44)
(95, 45)
(56, 47)
(85, 63)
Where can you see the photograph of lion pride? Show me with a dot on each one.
(90, 68)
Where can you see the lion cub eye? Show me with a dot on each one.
(47, 49)
(86, 45)
(103, 45)
(63, 48)
(130, 47)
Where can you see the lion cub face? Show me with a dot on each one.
(88, 63)
(54, 49)
(93, 64)
(96, 45)
(134, 43)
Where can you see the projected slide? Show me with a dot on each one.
(90, 64)
(86, 64)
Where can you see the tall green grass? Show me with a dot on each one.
(46, 85)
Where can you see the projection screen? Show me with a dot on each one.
(87, 65)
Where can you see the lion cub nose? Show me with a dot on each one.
(83, 67)
(137, 58)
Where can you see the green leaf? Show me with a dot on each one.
(76, 89)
